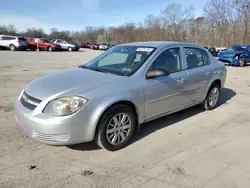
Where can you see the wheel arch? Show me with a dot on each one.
(121, 102)
(214, 81)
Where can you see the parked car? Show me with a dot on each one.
(66, 45)
(108, 98)
(94, 46)
(213, 51)
(103, 46)
(89, 45)
(236, 55)
(43, 44)
(13, 42)
(81, 45)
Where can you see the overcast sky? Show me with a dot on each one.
(76, 14)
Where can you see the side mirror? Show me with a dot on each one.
(156, 73)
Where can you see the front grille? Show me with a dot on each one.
(50, 137)
(29, 102)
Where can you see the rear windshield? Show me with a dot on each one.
(21, 38)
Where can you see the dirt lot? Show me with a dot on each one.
(188, 149)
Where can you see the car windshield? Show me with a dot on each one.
(120, 60)
(236, 48)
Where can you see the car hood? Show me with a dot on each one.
(230, 52)
(68, 82)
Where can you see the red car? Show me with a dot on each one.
(94, 46)
(81, 45)
(42, 44)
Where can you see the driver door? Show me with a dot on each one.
(165, 94)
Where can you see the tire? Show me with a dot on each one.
(109, 135)
(32, 48)
(207, 104)
(70, 49)
(50, 49)
(12, 47)
(242, 62)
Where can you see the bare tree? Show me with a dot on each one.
(175, 16)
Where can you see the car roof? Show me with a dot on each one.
(10, 36)
(157, 44)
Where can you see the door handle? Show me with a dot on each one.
(207, 73)
(180, 80)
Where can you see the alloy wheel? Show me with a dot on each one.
(118, 128)
(213, 97)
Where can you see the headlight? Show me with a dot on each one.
(236, 57)
(64, 106)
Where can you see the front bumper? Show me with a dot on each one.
(76, 48)
(103, 48)
(229, 60)
(65, 130)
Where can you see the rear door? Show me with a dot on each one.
(63, 44)
(199, 73)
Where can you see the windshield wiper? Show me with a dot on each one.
(103, 70)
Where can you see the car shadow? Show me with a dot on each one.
(89, 146)
(163, 122)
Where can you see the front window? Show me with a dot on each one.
(169, 60)
(236, 48)
(121, 60)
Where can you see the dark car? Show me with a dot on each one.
(236, 55)
(84, 44)
(213, 51)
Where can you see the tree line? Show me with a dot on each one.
(224, 22)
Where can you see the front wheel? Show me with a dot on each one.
(242, 62)
(70, 49)
(50, 49)
(212, 98)
(116, 128)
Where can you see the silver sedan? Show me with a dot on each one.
(108, 98)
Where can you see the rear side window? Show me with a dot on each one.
(21, 39)
(196, 57)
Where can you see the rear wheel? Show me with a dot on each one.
(116, 128)
(12, 47)
(212, 98)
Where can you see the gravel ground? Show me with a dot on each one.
(188, 149)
